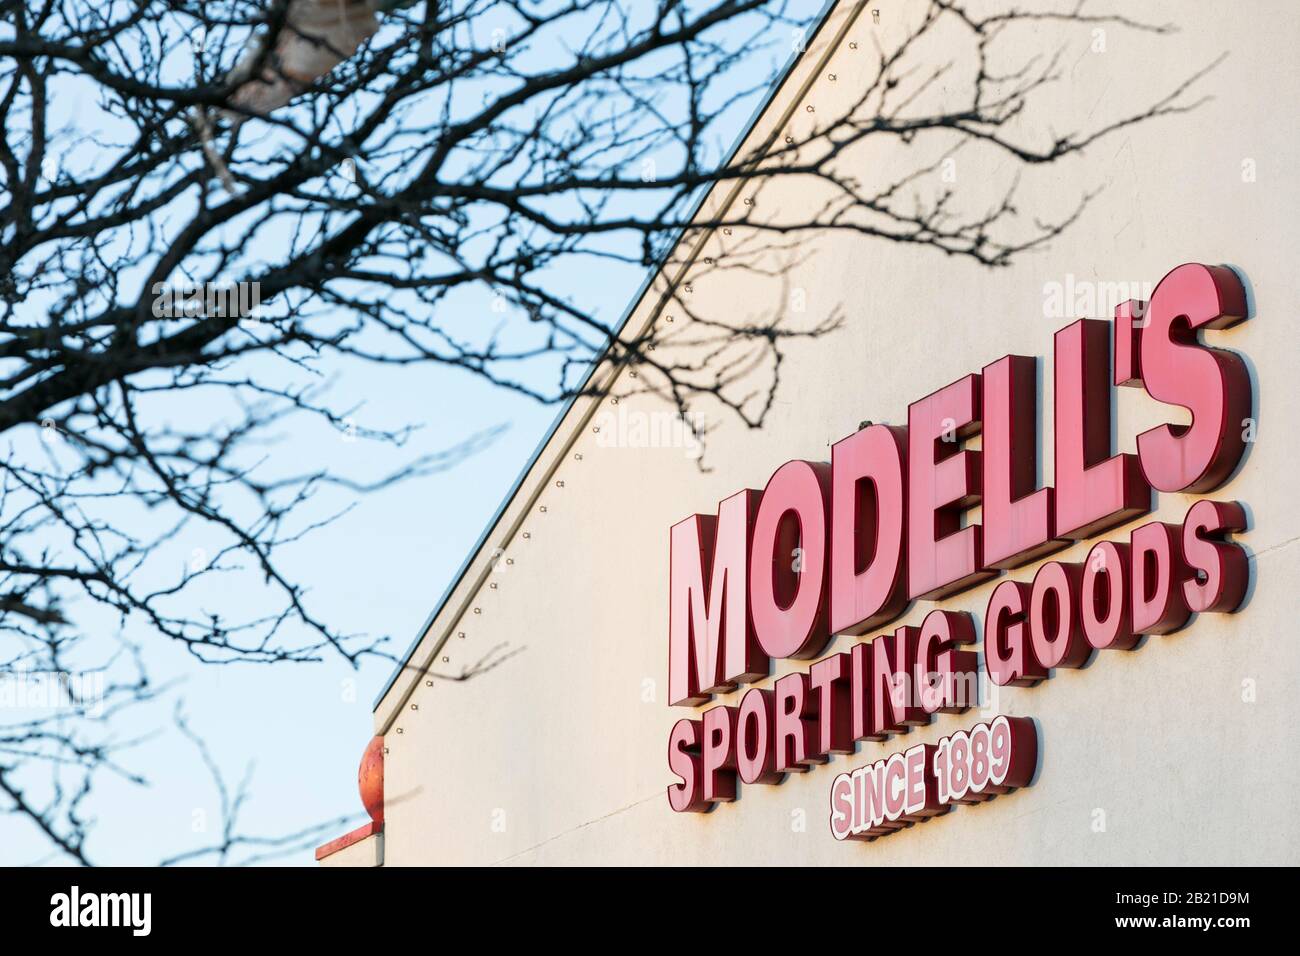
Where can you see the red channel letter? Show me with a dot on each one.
(796, 735)
(868, 541)
(1157, 576)
(684, 760)
(718, 754)
(830, 683)
(1094, 489)
(755, 737)
(787, 578)
(943, 481)
(1222, 569)
(1008, 654)
(1018, 514)
(1212, 384)
(711, 641)
(1104, 601)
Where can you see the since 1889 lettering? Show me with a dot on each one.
(911, 786)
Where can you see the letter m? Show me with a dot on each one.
(711, 642)
(116, 909)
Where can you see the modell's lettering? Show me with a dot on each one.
(843, 548)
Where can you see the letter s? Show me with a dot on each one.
(1213, 384)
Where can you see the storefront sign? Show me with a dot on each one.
(845, 547)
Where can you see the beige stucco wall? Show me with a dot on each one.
(559, 754)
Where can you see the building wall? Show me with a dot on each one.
(558, 755)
